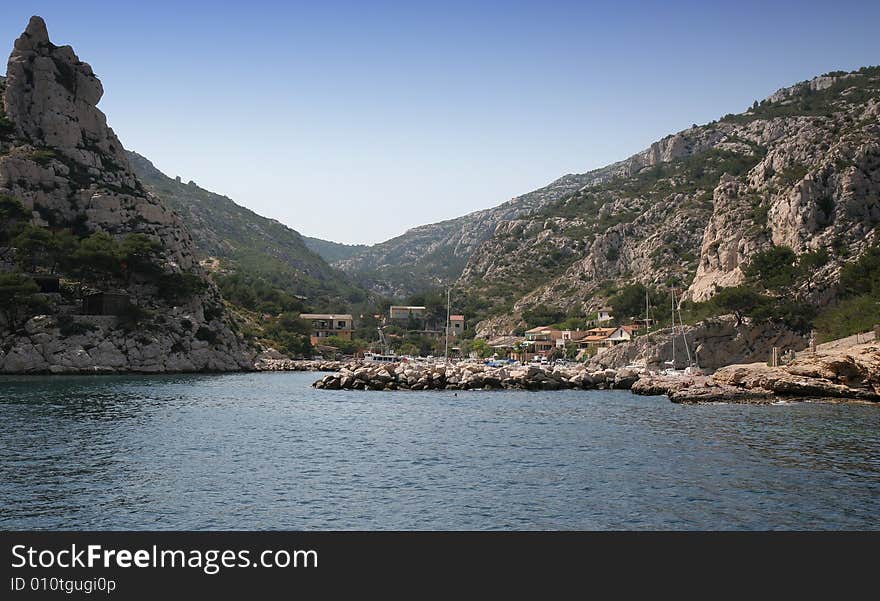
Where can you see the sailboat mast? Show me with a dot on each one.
(687, 348)
(673, 327)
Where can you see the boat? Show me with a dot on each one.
(691, 369)
(387, 356)
(381, 357)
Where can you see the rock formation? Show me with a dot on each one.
(847, 369)
(712, 344)
(68, 170)
(68, 166)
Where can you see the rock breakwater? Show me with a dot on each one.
(472, 376)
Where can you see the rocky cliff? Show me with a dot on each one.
(65, 170)
(799, 170)
(843, 369)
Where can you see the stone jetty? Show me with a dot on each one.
(472, 376)
(280, 363)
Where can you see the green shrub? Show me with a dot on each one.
(43, 156)
(98, 255)
(793, 173)
(178, 287)
(7, 127)
(139, 253)
(135, 317)
(862, 276)
(630, 302)
(206, 334)
(68, 326)
(18, 298)
(542, 316)
(848, 317)
(12, 216)
(773, 269)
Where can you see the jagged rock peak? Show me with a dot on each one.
(36, 34)
(52, 98)
(65, 164)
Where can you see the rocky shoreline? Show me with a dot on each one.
(840, 370)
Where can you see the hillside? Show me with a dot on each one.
(414, 261)
(795, 172)
(797, 177)
(333, 251)
(247, 243)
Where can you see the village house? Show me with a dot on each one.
(622, 334)
(605, 337)
(543, 339)
(456, 325)
(603, 315)
(325, 325)
(411, 317)
(569, 336)
(506, 346)
(596, 337)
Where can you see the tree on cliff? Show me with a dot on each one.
(740, 301)
(12, 216)
(18, 298)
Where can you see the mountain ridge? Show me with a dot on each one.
(741, 164)
(244, 240)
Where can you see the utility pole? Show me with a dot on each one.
(448, 297)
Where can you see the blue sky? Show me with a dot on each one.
(354, 121)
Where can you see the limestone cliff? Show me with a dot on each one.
(800, 169)
(62, 163)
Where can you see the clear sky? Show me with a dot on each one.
(353, 121)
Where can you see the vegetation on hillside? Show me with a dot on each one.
(268, 253)
(859, 87)
(332, 251)
(86, 262)
(858, 309)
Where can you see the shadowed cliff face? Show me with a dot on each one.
(68, 170)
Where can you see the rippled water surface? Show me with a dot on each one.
(265, 451)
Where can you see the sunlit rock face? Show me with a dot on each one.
(66, 166)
